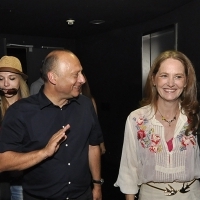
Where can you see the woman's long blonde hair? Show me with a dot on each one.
(23, 92)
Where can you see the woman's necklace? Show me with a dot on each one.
(168, 121)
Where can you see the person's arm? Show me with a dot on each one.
(95, 168)
(10, 160)
(102, 145)
(127, 178)
(130, 196)
(102, 148)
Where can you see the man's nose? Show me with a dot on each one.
(81, 79)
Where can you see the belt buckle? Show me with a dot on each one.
(184, 189)
(171, 191)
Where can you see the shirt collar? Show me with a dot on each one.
(44, 101)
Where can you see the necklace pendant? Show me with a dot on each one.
(168, 121)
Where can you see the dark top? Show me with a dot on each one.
(29, 124)
(8, 178)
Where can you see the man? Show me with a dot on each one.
(36, 85)
(54, 136)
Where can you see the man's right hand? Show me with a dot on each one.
(55, 141)
(11, 160)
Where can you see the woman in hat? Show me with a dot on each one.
(12, 88)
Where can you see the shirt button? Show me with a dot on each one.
(69, 182)
(67, 198)
(66, 145)
(68, 163)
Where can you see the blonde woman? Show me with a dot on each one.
(12, 88)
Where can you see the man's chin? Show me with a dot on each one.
(74, 95)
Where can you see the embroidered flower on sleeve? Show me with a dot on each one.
(140, 121)
(186, 140)
(147, 137)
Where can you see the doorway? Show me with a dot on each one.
(154, 43)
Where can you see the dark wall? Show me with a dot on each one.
(38, 42)
(187, 18)
(2, 47)
(111, 62)
(33, 56)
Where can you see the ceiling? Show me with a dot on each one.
(48, 17)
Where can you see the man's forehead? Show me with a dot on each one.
(70, 66)
(76, 68)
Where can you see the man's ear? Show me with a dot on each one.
(52, 77)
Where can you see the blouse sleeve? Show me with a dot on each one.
(127, 178)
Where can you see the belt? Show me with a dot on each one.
(171, 191)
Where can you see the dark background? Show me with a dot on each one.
(112, 64)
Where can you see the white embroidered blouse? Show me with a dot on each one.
(145, 155)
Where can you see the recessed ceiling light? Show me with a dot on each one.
(97, 21)
(70, 21)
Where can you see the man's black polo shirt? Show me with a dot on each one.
(29, 124)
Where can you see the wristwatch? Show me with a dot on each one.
(101, 181)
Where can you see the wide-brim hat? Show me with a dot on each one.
(12, 64)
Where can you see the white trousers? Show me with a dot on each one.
(150, 193)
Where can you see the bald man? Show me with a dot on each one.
(54, 136)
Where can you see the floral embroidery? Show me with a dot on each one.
(141, 134)
(148, 139)
(185, 140)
